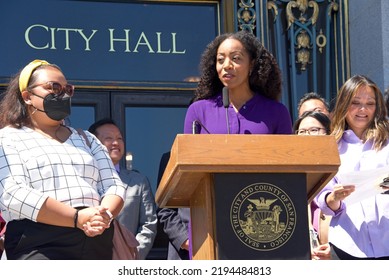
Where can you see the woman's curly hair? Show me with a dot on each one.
(265, 77)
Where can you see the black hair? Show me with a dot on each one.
(309, 96)
(93, 128)
(265, 77)
(319, 116)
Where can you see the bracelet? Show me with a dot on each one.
(110, 216)
(76, 218)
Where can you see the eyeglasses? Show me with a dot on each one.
(57, 89)
(310, 131)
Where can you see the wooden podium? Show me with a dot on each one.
(248, 194)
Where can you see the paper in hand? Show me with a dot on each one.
(366, 182)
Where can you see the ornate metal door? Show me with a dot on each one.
(308, 38)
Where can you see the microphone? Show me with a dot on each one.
(226, 104)
(195, 127)
(226, 98)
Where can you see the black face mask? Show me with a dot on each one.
(55, 108)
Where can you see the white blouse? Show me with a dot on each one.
(34, 167)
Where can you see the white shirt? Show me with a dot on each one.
(360, 229)
(34, 167)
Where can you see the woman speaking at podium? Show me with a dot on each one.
(238, 93)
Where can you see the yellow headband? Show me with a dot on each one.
(25, 75)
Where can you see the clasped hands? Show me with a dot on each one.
(322, 252)
(94, 220)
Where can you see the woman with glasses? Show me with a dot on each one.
(312, 123)
(358, 230)
(59, 195)
(316, 123)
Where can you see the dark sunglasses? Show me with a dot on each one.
(57, 89)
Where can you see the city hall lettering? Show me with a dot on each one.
(119, 40)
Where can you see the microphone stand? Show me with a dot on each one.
(226, 104)
(228, 123)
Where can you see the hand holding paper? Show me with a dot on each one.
(367, 183)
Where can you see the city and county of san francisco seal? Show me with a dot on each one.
(263, 216)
